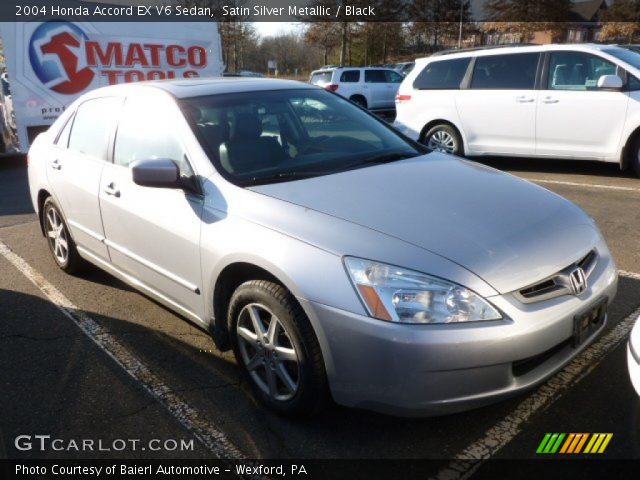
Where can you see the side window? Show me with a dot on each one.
(63, 137)
(442, 75)
(350, 76)
(393, 77)
(506, 72)
(634, 83)
(145, 132)
(374, 76)
(577, 71)
(92, 126)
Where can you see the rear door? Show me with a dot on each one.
(376, 86)
(498, 109)
(75, 169)
(575, 118)
(349, 83)
(153, 234)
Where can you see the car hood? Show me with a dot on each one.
(507, 231)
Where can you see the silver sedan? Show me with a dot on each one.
(337, 258)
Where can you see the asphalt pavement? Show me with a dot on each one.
(57, 380)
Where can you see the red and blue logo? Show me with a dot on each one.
(56, 54)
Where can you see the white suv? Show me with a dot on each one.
(557, 101)
(369, 87)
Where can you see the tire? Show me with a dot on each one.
(61, 245)
(285, 370)
(359, 100)
(444, 138)
(634, 159)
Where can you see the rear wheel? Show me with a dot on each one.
(443, 138)
(276, 348)
(61, 245)
(359, 100)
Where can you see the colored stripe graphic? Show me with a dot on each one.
(573, 443)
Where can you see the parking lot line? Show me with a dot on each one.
(579, 184)
(203, 430)
(468, 460)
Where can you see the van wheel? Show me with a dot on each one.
(359, 100)
(635, 157)
(276, 348)
(443, 138)
(61, 245)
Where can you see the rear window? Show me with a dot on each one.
(442, 75)
(506, 72)
(318, 78)
(350, 76)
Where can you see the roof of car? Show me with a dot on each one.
(197, 87)
(506, 49)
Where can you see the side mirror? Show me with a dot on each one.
(610, 82)
(159, 173)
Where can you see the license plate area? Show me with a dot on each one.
(584, 324)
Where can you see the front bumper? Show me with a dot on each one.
(417, 370)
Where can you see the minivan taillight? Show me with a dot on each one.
(402, 98)
(331, 87)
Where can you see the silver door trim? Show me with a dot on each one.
(165, 273)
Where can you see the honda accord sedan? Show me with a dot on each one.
(337, 258)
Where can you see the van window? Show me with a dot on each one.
(350, 76)
(318, 78)
(92, 126)
(577, 71)
(442, 75)
(515, 71)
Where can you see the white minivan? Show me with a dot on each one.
(556, 101)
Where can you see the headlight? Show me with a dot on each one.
(398, 295)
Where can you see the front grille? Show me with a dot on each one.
(558, 283)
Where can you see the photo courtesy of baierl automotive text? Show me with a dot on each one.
(320, 239)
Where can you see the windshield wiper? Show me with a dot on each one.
(280, 177)
(382, 158)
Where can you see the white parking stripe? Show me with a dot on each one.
(204, 430)
(578, 184)
(467, 461)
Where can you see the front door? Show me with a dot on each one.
(153, 234)
(575, 118)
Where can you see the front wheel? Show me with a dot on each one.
(276, 348)
(443, 138)
(635, 157)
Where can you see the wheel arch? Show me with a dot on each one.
(438, 121)
(627, 149)
(41, 198)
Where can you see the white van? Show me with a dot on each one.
(50, 64)
(557, 101)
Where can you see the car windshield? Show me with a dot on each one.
(630, 56)
(280, 135)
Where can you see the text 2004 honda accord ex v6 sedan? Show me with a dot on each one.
(336, 257)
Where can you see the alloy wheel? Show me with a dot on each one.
(57, 236)
(442, 141)
(268, 352)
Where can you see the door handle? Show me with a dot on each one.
(56, 164)
(111, 189)
(550, 100)
(524, 99)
